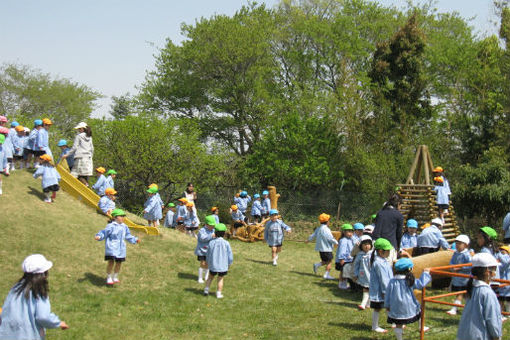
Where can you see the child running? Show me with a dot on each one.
(107, 203)
(325, 241)
(205, 235)
(50, 178)
(460, 256)
(410, 239)
(219, 259)
(26, 312)
(362, 268)
(380, 276)
(343, 254)
(115, 247)
(399, 300)
(273, 234)
(481, 318)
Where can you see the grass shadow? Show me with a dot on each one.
(445, 321)
(305, 274)
(187, 276)
(349, 325)
(35, 192)
(260, 262)
(196, 291)
(96, 280)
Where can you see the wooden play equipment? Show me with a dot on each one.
(78, 190)
(418, 196)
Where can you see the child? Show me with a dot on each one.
(460, 256)
(100, 184)
(50, 178)
(115, 247)
(205, 235)
(152, 208)
(343, 254)
(237, 218)
(504, 273)
(215, 211)
(324, 244)
(431, 238)
(273, 234)
(410, 239)
(181, 210)
(380, 275)
(110, 179)
(485, 239)
(107, 203)
(399, 300)
(26, 312)
(358, 232)
(219, 259)
(362, 268)
(18, 143)
(29, 150)
(481, 318)
(3, 159)
(256, 209)
(190, 220)
(159, 202)
(42, 139)
(62, 144)
(266, 204)
(170, 218)
(242, 203)
(442, 197)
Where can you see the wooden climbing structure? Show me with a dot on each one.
(419, 198)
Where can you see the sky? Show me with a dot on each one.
(109, 45)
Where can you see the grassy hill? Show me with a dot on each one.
(159, 298)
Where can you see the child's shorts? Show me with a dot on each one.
(27, 152)
(220, 274)
(339, 266)
(458, 288)
(403, 321)
(377, 304)
(326, 256)
(277, 245)
(38, 153)
(504, 298)
(17, 158)
(116, 259)
(443, 206)
(53, 187)
(201, 258)
(237, 225)
(190, 228)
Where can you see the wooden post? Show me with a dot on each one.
(413, 167)
(273, 196)
(338, 211)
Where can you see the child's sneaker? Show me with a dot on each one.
(380, 330)
(6, 171)
(451, 312)
(361, 307)
(315, 267)
(200, 280)
(328, 277)
(274, 262)
(343, 285)
(219, 295)
(206, 291)
(116, 278)
(109, 281)
(47, 200)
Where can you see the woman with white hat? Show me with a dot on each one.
(26, 312)
(83, 150)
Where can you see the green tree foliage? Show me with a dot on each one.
(122, 106)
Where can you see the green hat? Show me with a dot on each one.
(347, 226)
(118, 212)
(210, 220)
(171, 205)
(2, 138)
(490, 232)
(382, 243)
(373, 216)
(152, 190)
(111, 172)
(220, 227)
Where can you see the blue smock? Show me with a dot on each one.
(273, 232)
(50, 175)
(114, 235)
(324, 239)
(380, 276)
(256, 208)
(362, 268)
(504, 273)
(18, 143)
(216, 218)
(408, 241)
(506, 225)
(432, 237)
(9, 149)
(242, 203)
(3, 158)
(481, 317)
(190, 220)
(400, 299)
(181, 212)
(266, 205)
(459, 258)
(219, 255)
(170, 219)
(153, 210)
(26, 318)
(442, 194)
(344, 249)
(237, 215)
(109, 182)
(203, 238)
(100, 185)
(105, 204)
(31, 139)
(69, 159)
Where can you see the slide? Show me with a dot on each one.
(78, 190)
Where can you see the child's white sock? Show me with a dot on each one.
(399, 332)
(115, 276)
(200, 272)
(375, 320)
(0, 187)
(364, 299)
(206, 274)
(48, 197)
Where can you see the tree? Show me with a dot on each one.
(122, 106)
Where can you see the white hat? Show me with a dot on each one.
(26, 129)
(36, 264)
(368, 229)
(463, 239)
(81, 125)
(437, 221)
(364, 238)
(484, 260)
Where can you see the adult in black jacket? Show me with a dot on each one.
(388, 224)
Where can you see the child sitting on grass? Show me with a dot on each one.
(115, 247)
(50, 178)
(219, 259)
(362, 268)
(324, 245)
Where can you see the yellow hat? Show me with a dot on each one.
(233, 207)
(101, 170)
(46, 157)
(183, 200)
(189, 204)
(19, 128)
(438, 179)
(437, 169)
(153, 185)
(506, 248)
(110, 191)
(426, 225)
(213, 209)
(324, 217)
(47, 121)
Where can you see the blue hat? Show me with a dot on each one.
(62, 142)
(243, 194)
(265, 192)
(411, 223)
(38, 122)
(403, 264)
(256, 196)
(359, 226)
(273, 212)
(14, 124)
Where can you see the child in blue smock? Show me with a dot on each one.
(100, 185)
(242, 203)
(18, 143)
(504, 272)
(215, 211)
(170, 217)
(64, 150)
(237, 218)
(110, 179)
(481, 318)
(3, 159)
(190, 220)
(266, 204)
(442, 189)
(358, 232)
(219, 259)
(343, 255)
(41, 143)
(460, 256)
(115, 234)
(26, 312)
(431, 238)
(205, 235)
(152, 208)
(30, 147)
(50, 178)
(325, 241)
(107, 203)
(273, 234)
(485, 239)
(256, 209)
(380, 275)
(399, 300)
(362, 268)
(181, 211)
(409, 238)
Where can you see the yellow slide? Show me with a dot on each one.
(78, 190)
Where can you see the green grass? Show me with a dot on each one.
(159, 297)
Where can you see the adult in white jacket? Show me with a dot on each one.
(83, 150)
